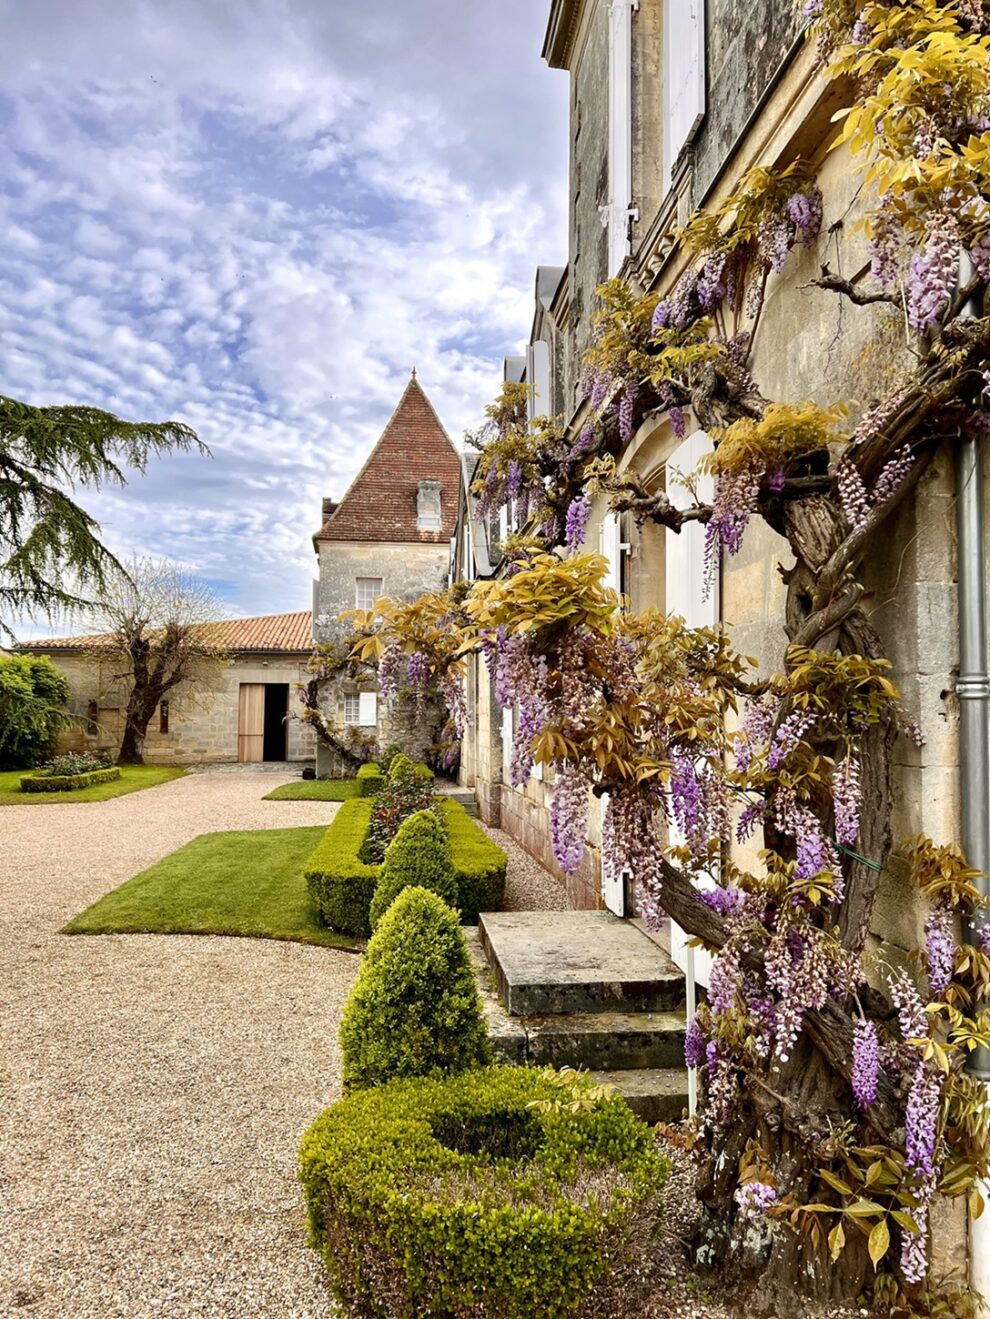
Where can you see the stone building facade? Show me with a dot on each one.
(672, 102)
(390, 536)
(241, 716)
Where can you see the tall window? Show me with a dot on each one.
(369, 589)
(163, 717)
(428, 506)
(352, 708)
(683, 78)
(617, 212)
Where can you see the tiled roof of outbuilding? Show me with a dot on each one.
(380, 503)
(276, 633)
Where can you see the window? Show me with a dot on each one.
(683, 78)
(369, 589)
(617, 213)
(163, 717)
(361, 709)
(428, 506)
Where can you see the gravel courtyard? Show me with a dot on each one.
(153, 1089)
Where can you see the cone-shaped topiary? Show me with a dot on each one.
(414, 1009)
(417, 857)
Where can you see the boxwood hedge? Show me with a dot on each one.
(369, 779)
(68, 782)
(342, 884)
(417, 857)
(503, 1193)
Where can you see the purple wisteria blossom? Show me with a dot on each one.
(852, 494)
(865, 1063)
(940, 948)
(726, 901)
(569, 819)
(576, 523)
(911, 1014)
(885, 245)
(389, 670)
(892, 475)
(847, 799)
(754, 1199)
(627, 413)
(914, 1249)
(661, 315)
(685, 794)
(933, 272)
(418, 672)
(805, 211)
(921, 1121)
(788, 735)
(694, 1043)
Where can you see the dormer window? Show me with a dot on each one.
(428, 506)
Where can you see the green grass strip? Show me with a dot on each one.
(133, 778)
(315, 790)
(248, 883)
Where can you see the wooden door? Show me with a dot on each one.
(251, 723)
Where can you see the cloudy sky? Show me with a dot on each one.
(256, 217)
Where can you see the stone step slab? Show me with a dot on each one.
(653, 1094)
(549, 963)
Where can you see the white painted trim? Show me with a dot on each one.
(617, 212)
(368, 709)
(684, 100)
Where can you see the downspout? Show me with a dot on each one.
(973, 691)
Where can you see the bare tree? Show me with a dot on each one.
(157, 633)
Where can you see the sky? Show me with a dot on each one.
(257, 218)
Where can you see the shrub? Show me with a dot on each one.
(417, 857)
(68, 782)
(506, 1193)
(384, 761)
(369, 779)
(339, 881)
(342, 883)
(33, 694)
(75, 762)
(479, 864)
(406, 788)
(414, 1009)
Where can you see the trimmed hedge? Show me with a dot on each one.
(414, 1009)
(505, 1193)
(69, 782)
(417, 857)
(369, 779)
(342, 884)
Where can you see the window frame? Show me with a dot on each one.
(358, 599)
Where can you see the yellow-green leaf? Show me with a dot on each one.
(879, 1242)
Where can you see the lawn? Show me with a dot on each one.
(133, 778)
(245, 883)
(315, 790)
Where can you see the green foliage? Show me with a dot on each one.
(315, 790)
(405, 789)
(68, 782)
(76, 762)
(343, 884)
(46, 538)
(414, 1009)
(785, 432)
(369, 779)
(417, 857)
(33, 695)
(246, 883)
(340, 882)
(506, 1193)
(133, 778)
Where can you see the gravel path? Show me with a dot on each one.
(153, 1089)
(528, 887)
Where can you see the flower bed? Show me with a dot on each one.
(503, 1193)
(342, 883)
(68, 782)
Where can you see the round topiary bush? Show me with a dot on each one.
(417, 857)
(504, 1193)
(414, 1009)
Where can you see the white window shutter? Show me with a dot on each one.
(683, 77)
(612, 550)
(616, 216)
(684, 557)
(368, 709)
(506, 740)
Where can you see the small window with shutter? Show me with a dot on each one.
(428, 506)
(361, 709)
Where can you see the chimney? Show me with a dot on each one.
(329, 507)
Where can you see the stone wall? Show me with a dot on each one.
(202, 727)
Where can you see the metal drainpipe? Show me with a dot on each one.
(973, 690)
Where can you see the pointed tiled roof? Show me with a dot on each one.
(380, 503)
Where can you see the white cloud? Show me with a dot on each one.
(258, 218)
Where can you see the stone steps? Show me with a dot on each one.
(467, 800)
(547, 963)
(561, 957)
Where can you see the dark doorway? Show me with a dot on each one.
(276, 708)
